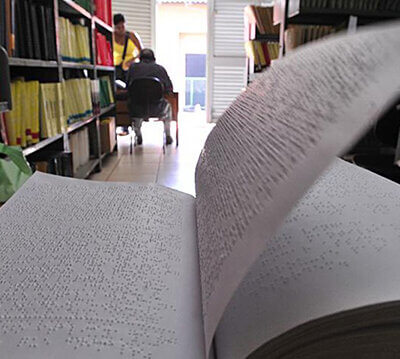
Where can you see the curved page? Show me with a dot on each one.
(275, 140)
(337, 250)
(98, 270)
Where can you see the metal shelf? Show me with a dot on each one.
(71, 7)
(104, 155)
(267, 37)
(107, 109)
(321, 16)
(42, 144)
(380, 14)
(102, 24)
(79, 124)
(48, 141)
(15, 61)
(105, 68)
(73, 65)
(85, 170)
(75, 126)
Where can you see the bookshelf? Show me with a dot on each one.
(262, 39)
(379, 149)
(60, 69)
(329, 13)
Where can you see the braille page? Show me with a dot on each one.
(99, 270)
(274, 141)
(338, 250)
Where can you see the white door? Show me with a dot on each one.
(226, 61)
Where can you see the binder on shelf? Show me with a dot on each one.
(95, 90)
(78, 99)
(4, 28)
(107, 135)
(74, 42)
(22, 123)
(263, 17)
(35, 31)
(41, 14)
(27, 35)
(51, 33)
(21, 50)
(80, 148)
(103, 11)
(297, 35)
(11, 118)
(34, 110)
(46, 113)
(106, 93)
(103, 50)
(262, 53)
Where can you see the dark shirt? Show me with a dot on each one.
(144, 69)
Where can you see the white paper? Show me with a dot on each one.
(338, 250)
(275, 140)
(99, 270)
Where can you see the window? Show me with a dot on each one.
(195, 76)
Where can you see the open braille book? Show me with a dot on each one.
(286, 252)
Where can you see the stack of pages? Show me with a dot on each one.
(284, 253)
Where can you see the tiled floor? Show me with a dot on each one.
(147, 163)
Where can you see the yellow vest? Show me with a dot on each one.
(131, 52)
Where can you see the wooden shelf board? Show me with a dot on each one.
(85, 170)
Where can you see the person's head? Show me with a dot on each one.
(147, 55)
(119, 24)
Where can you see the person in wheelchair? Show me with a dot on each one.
(148, 68)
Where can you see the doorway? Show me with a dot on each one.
(181, 47)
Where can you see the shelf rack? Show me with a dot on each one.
(253, 34)
(73, 127)
(68, 8)
(294, 12)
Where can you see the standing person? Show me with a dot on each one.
(127, 46)
(147, 67)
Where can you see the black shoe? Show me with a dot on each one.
(139, 140)
(169, 140)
